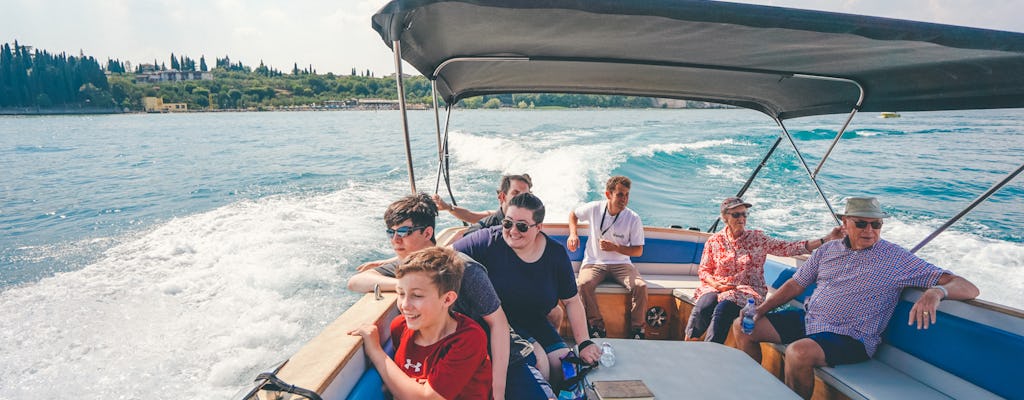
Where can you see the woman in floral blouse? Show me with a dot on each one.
(732, 270)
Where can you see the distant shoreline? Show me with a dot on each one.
(58, 111)
(102, 111)
(107, 111)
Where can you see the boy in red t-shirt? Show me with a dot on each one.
(441, 354)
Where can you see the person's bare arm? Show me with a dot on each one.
(923, 311)
(401, 385)
(573, 241)
(500, 344)
(835, 233)
(461, 213)
(632, 251)
(365, 281)
(578, 323)
(787, 292)
(374, 264)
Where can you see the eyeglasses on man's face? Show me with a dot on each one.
(864, 224)
(403, 231)
(521, 226)
(738, 214)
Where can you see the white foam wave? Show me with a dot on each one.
(867, 133)
(562, 174)
(671, 148)
(194, 307)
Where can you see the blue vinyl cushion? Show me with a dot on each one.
(983, 355)
(370, 385)
(661, 251)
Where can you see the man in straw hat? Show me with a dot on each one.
(859, 282)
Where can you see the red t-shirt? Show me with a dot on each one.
(457, 366)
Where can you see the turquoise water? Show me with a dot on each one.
(151, 254)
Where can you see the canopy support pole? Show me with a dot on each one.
(746, 185)
(440, 143)
(979, 200)
(442, 151)
(808, 169)
(856, 107)
(437, 120)
(397, 46)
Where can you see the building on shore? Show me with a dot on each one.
(172, 76)
(157, 105)
(378, 104)
(340, 104)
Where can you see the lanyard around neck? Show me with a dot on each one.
(603, 229)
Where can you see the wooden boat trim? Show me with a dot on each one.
(317, 365)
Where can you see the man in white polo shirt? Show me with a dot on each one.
(616, 234)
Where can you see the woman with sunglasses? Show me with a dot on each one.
(732, 270)
(532, 273)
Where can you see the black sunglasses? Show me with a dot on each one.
(738, 214)
(403, 231)
(520, 225)
(864, 224)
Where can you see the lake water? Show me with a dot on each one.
(157, 256)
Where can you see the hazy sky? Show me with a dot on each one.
(332, 36)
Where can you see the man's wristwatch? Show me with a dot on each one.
(945, 292)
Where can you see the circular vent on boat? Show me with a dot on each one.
(656, 316)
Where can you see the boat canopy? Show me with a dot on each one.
(786, 63)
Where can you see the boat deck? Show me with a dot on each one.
(698, 369)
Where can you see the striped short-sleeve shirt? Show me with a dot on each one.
(858, 289)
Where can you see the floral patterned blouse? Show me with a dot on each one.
(740, 263)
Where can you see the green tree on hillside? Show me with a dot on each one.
(42, 79)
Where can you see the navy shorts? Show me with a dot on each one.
(839, 349)
(542, 332)
(523, 381)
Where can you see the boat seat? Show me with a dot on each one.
(656, 284)
(370, 385)
(886, 376)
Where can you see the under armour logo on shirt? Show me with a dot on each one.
(409, 364)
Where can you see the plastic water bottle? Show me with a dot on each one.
(747, 323)
(607, 355)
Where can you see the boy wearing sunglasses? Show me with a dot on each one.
(616, 234)
(859, 280)
(410, 227)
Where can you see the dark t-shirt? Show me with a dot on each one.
(491, 220)
(528, 291)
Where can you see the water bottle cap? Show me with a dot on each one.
(750, 301)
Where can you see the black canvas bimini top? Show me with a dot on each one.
(744, 55)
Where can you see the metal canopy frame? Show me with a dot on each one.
(443, 156)
(437, 74)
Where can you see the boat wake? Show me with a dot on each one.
(194, 306)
